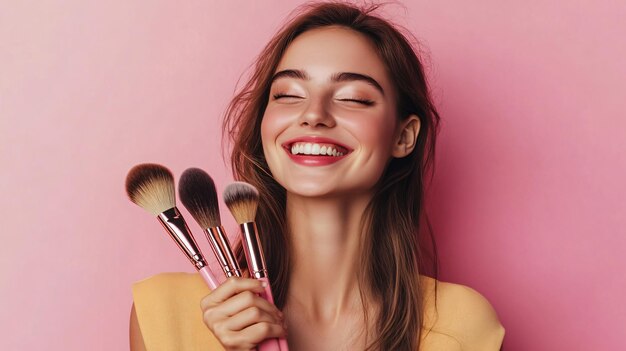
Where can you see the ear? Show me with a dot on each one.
(406, 137)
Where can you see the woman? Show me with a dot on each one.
(336, 129)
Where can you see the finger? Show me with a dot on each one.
(264, 330)
(250, 316)
(243, 301)
(232, 286)
(236, 341)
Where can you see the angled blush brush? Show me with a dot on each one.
(151, 187)
(198, 194)
(242, 199)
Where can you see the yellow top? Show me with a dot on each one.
(169, 315)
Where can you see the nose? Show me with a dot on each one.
(316, 115)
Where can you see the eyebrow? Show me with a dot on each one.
(335, 78)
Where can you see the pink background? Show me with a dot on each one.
(528, 200)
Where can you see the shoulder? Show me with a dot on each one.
(169, 291)
(168, 312)
(464, 314)
(170, 284)
(169, 278)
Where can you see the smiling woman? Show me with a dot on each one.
(338, 90)
(337, 130)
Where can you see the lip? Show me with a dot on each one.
(318, 160)
(315, 139)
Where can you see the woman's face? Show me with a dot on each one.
(330, 122)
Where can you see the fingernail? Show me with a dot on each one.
(264, 284)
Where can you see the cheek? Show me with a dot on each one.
(273, 123)
(376, 134)
(269, 127)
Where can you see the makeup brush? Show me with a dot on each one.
(242, 199)
(198, 194)
(151, 187)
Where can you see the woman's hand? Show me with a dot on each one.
(238, 317)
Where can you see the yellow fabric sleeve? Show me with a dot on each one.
(169, 313)
(463, 320)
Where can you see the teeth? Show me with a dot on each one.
(314, 149)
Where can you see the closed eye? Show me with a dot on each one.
(365, 102)
(279, 95)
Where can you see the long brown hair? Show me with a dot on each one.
(393, 261)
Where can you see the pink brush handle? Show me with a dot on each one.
(279, 344)
(209, 278)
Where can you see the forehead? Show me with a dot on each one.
(324, 51)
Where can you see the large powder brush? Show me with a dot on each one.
(151, 187)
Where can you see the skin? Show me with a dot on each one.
(324, 203)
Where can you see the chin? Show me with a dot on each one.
(325, 191)
(309, 190)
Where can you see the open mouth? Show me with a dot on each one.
(316, 149)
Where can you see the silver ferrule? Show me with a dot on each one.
(253, 250)
(223, 252)
(176, 226)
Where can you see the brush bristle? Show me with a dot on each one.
(197, 192)
(242, 200)
(151, 187)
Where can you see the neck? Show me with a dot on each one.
(325, 235)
